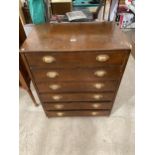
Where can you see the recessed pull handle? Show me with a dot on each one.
(60, 113)
(102, 58)
(54, 86)
(52, 74)
(96, 105)
(48, 59)
(100, 73)
(97, 96)
(56, 97)
(99, 85)
(59, 106)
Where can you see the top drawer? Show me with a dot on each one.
(75, 59)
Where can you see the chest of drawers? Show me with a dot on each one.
(76, 68)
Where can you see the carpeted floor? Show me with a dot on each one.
(112, 135)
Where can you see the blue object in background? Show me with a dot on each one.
(37, 11)
(85, 3)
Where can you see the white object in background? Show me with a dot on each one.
(107, 10)
(133, 2)
(126, 19)
(113, 10)
(75, 15)
(130, 4)
(100, 15)
(131, 7)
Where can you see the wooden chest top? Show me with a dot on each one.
(75, 37)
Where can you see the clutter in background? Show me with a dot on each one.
(126, 14)
(59, 11)
(52, 11)
(74, 16)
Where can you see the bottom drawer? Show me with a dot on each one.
(78, 113)
(77, 105)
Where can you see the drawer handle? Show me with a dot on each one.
(59, 106)
(96, 105)
(60, 113)
(54, 86)
(48, 59)
(52, 74)
(99, 85)
(94, 113)
(100, 73)
(56, 97)
(102, 58)
(97, 97)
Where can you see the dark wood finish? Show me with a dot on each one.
(74, 59)
(26, 85)
(24, 78)
(61, 8)
(69, 97)
(27, 15)
(68, 37)
(44, 87)
(84, 74)
(75, 47)
(30, 75)
(22, 35)
(78, 113)
(77, 105)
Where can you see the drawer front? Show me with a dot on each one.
(76, 97)
(94, 74)
(75, 59)
(46, 87)
(78, 113)
(77, 105)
